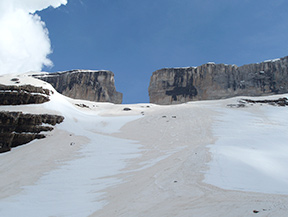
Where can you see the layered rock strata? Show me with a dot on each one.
(17, 128)
(218, 81)
(24, 94)
(90, 85)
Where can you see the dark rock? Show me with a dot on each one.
(84, 84)
(218, 81)
(127, 109)
(17, 128)
(82, 105)
(24, 94)
(15, 79)
(21, 139)
(279, 102)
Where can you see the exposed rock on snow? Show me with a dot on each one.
(127, 109)
(274, 102)
(17, 128)
(24, 94)
(218, 81)
(280, 102)
(90, 85)
(82, 105)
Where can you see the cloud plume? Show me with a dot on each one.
(24, 40)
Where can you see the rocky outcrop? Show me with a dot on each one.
(275, 102)
(84, 84)
(218, 81)
(17, 128)
(24, 94)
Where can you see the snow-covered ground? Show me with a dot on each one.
(195, 159)
(74, 187)
(251, 150)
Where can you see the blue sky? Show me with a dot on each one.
(133, 38)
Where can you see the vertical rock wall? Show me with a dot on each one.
(84, 84)
(218, 81)
(17, 128)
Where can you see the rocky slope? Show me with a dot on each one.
(218, 81)
(84, 84)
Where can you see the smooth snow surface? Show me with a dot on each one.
(73, 189)
(251, 150)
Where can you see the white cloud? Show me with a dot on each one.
(24, 40)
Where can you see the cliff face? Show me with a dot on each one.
(84, 84)
(218, 81)
(22, 94)
(17, 128)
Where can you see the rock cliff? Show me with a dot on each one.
(22, 94)
(218, 81)
(17, 128)
(84, 84)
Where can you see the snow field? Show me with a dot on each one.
(74, 188)
(251, 150)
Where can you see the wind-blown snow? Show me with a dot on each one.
(251, 152)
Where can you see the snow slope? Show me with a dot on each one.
(251, 150)
(74, 188)
(195, 159)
